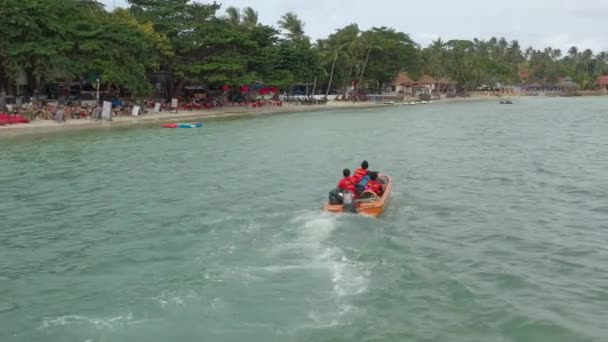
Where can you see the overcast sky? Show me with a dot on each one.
(540, 23)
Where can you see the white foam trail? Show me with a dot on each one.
(173, 298)
(309, 237)
(346, 277)
(315, 230)
(327, 320)
(109, 323)
(318, 230)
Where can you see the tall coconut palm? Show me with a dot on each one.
(332, 49)
(249, 18)
(602, 59)
(233, 16)
(291, 23)
(502, 45)
(529, 52)
(369, 45)
(438, 57)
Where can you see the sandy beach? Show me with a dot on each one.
(151, 118)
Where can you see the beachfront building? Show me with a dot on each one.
(402, 84)
(445, 85)
(565, 84)
(602, 83)
(425, 84)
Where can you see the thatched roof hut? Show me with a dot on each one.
(403, 79)
(426, 79)
(566, 83)
(534, 86)
(445, 80)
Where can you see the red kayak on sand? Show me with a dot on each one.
(6, 119)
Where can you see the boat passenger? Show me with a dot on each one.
(373, 185)
(347, 183)
(361, 172)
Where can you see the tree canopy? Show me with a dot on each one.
(194, 42)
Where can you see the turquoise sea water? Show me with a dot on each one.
(497, 229)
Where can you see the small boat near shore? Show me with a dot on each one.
(183, 125)
(369, 204)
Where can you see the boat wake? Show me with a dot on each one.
(312, 236)
(99, 323)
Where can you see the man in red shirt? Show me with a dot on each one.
(373, 185)
(347, 183)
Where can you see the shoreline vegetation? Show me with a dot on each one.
(46, 45)
(151, 119)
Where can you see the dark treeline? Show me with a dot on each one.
(46, 40)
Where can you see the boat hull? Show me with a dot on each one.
(370, 209)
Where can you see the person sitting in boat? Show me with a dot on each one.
(361, 177)
(361, 172)
(373, 185)
(347, 183)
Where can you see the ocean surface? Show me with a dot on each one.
(497, 229)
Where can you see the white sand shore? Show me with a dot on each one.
(49, 126)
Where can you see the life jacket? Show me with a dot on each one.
(374, 187)
(348, 184)
(359, 174)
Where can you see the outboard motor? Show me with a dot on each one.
(349, 202)
(336, 197)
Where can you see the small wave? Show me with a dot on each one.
(323, 320)
(173, 298)
(99, 323)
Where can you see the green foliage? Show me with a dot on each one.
(371, 57)
(293, 26)
(51, 39)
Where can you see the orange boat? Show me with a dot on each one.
(372, 206)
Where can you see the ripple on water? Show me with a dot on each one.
(496, 230)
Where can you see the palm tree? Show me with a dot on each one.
(293, 25)
(502, 45)
(250, 17)
(332, 50)
(529, 52)
(367, 42)
(602, 59)
(435, 58)
(233, 16)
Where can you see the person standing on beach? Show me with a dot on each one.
(2, 99)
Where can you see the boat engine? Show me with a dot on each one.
(349, 202)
